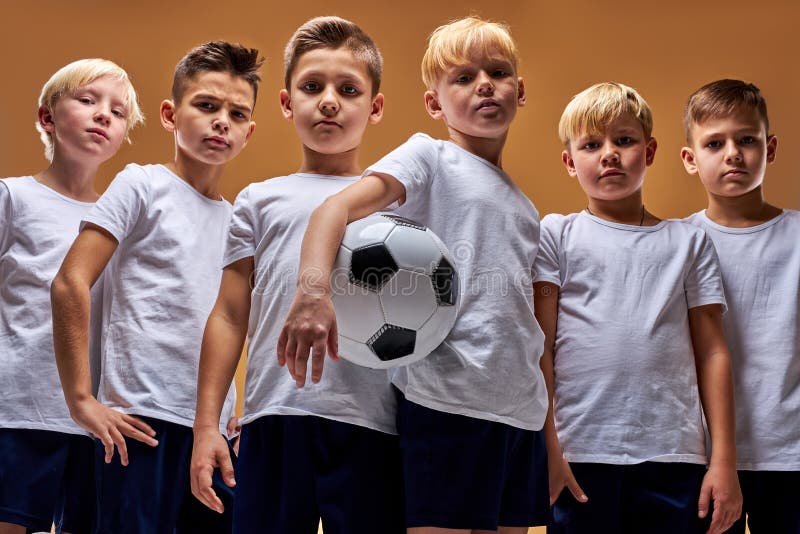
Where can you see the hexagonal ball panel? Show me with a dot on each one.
(402, 221)
(372, 266)
(392, 342)
(408, 299)
(358, 313)
(367, 231)
(445, 283)
(413, 249)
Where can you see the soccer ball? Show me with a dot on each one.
(395, 291)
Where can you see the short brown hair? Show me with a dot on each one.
(217, 56)
(723, 98)
(333, 32)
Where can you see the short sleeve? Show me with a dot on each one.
(413, 164)
(703, 283)
(547, 267)
(124, 202)
(6, 216)
(240, 242)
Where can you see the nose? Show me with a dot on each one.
(610, 153)
(485, 86)
(103, 115)
(329, 102)
(732, 152)
(220, 123)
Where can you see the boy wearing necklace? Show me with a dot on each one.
(631, 308)
(729, 147)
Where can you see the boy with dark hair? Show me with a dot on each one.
(328, 452)
(729, 147)
(164, 225)
(86, 110)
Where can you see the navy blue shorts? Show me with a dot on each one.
(46, 477)
(651, 497)
(770, 501)
(295, 470)
(467, 473)
(152, 494)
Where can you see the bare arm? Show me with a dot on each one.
(546, 310)
(715, 382)
(223, 340)
(70, 294)
(311, 323)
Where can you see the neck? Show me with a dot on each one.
(490, 149)
(743, 211)
(628, 210)
(71, 178)
(341, 164)
(202, 176)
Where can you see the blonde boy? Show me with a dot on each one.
(164, 225)
(469, 414)
(729, 147)
(86, 110)
(631, 306)
(331, 452)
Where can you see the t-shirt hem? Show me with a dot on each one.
(719, 299)
(550, 279)
(534, 425)
(286, 410)
(105, 225)
(623, 460)
(233, 258)
(44, 426)
(757, 466)
(169, 418)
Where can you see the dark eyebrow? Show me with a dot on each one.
(209, 96)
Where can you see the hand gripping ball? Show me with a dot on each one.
(395, 290)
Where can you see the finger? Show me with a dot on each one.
(333, 341)
(226, 467)
(317, 360)
(703, 501)
(576, 490)
(108, 445)
(232, 425)
(301, 363)
(135, 433)
(281, 353)
(554, 494)
(211, 500)
(291, 350)
(205, 493)
(119, 441)
(138, 423)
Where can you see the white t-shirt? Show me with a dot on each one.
(160, 287)
(625, 382)
(37, 228)
(488, 366)
(269, 221)
(761, 275)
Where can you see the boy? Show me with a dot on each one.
(328, 452)
(86, 109)
(729, 147)
(166, 224)
(631, 309)
(469, 413)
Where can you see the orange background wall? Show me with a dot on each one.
(664, 49)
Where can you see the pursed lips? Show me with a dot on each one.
(488, 104)
(98, 131)
(217, 140)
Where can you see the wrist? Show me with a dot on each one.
(313, 284)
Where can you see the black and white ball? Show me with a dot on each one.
(395, 290)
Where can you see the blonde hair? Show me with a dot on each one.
(450, 44)
(78, 74)
(592, 109)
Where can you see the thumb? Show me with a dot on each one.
(226, 468)
(704, 501)
(576, 490)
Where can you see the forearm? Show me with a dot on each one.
(320, 246)
(550, 435)
(716, 393)
(222, 346)
(71, 305)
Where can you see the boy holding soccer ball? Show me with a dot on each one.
(469, 414)
(330, 452)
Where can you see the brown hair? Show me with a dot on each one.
(217, 56)
(333, 32)
(723, 98)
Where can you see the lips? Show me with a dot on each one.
(326, 122)
(734, 173)
(98, 131)
(611, 172)
(488, 103)
(216, 140)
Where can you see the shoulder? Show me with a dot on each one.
(9, 186)
(696, 219)
(557, 222)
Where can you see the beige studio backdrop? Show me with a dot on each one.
(664, 49)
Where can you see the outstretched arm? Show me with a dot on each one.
(721, 483)
(70, 294)
(223, 340)
(311, 323)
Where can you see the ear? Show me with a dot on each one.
(569, 164)
(376, 114)
(250, 131)
(650, 151)
(689, 163)
(286, 105)
(167, 113)
(772, 146)
(521, 98)
(432, 105)
(46, 119)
